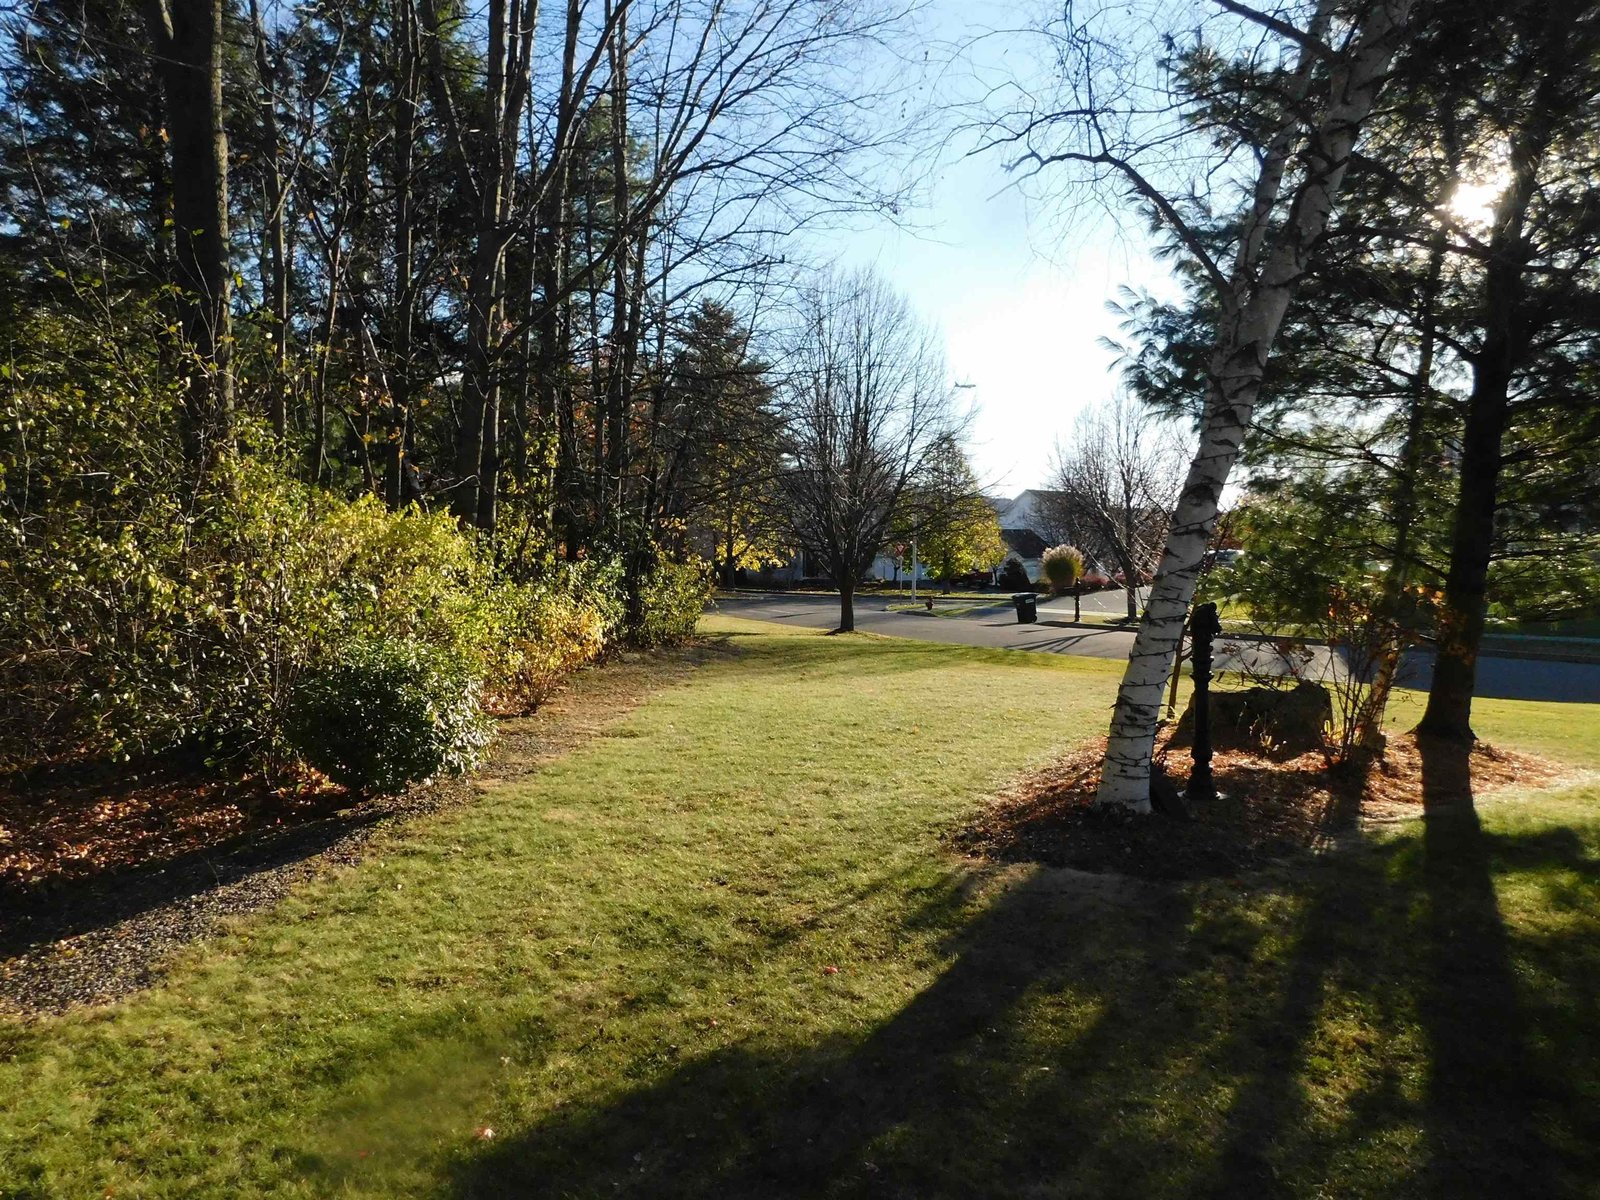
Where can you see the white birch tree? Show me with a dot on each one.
(1333, 62)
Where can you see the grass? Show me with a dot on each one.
(720, 951)
(1576, 628)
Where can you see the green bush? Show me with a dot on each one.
(92, 524)
(671, 596)
(140, 610)
(388, 714)
(134, 617)
(278, 577)
(551, 627)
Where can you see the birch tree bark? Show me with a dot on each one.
(1243, 346)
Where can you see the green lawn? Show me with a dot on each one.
(721, 951)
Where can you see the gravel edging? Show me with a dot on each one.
(130, 925)
(186, 903)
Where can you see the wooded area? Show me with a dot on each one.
(275, 272)
(282, 280)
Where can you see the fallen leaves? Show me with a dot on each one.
(1266, 811)
(80, 820)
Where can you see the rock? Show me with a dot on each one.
(1284, 721)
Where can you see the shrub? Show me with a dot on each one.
(386, 714)
(140, 610)
(1014, 576)
(91, 523)
(551, 627)
(671, 596)
(282, 577)
(1063, 567)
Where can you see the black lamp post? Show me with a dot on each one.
(1204, 625)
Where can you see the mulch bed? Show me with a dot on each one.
(106, 868)
(1268, 810)
(78, 820)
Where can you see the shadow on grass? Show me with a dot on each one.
(1350, 1025)
(914, 1107)
(1485, 1095)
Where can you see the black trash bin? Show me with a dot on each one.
(1027, 607)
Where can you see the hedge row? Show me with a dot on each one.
(262, 619)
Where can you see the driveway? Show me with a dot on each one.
(1505, 678)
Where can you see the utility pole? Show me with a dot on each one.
(913, 568)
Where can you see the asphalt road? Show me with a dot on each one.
(1507, 678)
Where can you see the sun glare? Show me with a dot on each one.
(1473, 201)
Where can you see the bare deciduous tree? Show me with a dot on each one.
(865, 402)
(1115, 482)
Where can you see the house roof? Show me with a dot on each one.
(1022, 512)
(1025, 542)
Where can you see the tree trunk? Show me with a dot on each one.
(404, 250)
(489, 171)
(1505, 344)
(187, 35)
(319, 381)
(847, 607)
(624, 333)
(480, 394)
(552, 402)
(274, 239)
(1234, 381)
(1461, 619)
(1130, 569)
(1403, 505)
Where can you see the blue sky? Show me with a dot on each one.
(1020, 298)
(1018, 291)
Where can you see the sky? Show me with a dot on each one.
(1018, 292)
(1020, 299)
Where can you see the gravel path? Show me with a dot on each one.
(101, 940)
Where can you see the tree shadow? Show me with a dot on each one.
(883, 1114)
(1484, 1091)
(1095, 1035)
(1415, 929)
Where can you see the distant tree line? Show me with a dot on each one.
(514, 261)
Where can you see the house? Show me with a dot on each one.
(1025, 527)
(1028, 527)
